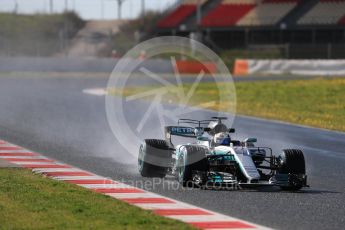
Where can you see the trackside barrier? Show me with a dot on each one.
(298, 67)
(195, 67)
(240, 67)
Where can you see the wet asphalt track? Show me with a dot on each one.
(52, 116)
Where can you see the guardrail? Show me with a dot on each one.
(244, 67)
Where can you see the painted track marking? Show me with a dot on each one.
(160, 205)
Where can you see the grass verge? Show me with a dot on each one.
(37, 35)
(318, 102)
(29, 201)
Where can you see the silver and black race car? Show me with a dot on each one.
(215, 159)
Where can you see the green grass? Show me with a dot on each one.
(29, 201)
(318, 102)
(37, 35)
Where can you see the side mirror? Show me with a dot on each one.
(232, 130)
(250, 140)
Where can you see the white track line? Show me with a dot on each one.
(66, 178)
(24, 157)
(96, 91)
(45, 170)
(131, 195)
(229, 228)
(7, 145)
(106, 186)
(36, 163)
(199, 218)
(163, 206)
(15, 151)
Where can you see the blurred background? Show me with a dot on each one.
(264, 29)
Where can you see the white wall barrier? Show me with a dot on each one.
(298, 67)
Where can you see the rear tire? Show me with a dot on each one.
(193, 159)
(291, 161)
(154, 158)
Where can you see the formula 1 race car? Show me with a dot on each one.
(215, 159)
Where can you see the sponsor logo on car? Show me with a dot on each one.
(182, 130)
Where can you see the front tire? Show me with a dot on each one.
(192, 159)
(291, 162)
(154, 158)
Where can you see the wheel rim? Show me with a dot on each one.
(181, 168)
(141, 159)
(197, 180)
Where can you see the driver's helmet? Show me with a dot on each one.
(222, 139)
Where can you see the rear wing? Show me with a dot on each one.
(195, 122)
(178, 131)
